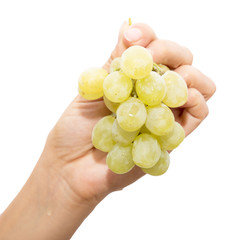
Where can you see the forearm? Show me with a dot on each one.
(41, 210)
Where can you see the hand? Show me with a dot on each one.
(71, 176)
(82, 166)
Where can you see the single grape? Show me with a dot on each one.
(172, 139)
(102, 134)
(160, 120)
(117, 87)
(115, 65)
(121, 136)
(151, 89)
(119, 159)
(131, 114)
(91, 83)
(177, 92)
(146, 151)
(110, 105)
(136, 62)
(160, 167)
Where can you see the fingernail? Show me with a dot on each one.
(133, 34)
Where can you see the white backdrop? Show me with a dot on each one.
(45, 45)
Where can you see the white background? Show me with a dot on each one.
(45, 45)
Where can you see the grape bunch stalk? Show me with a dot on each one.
(142, 128)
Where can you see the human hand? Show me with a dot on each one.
(71, 176)
(81, 165)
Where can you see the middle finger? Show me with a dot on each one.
(170, 53)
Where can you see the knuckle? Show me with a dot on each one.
(146, 29)
(212, 88)
(162, 50)
(190, 56)
(205, 112)
(199, 101)
(195, 96)
(186, 71)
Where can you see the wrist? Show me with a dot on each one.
(45, 208)
(56, 181)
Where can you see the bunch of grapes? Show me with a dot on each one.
(139, 93)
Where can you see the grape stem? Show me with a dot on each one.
(129, 21)
(156, 68)
(159, 68)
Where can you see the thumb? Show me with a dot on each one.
(136, 34)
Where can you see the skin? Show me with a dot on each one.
(71, 176)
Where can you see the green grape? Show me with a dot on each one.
(91, 83)
(172, 139)
(115, 65)
(136, 62)
(151, 89)
(160, 68)
(177, 92)
(160, 120)
(102, 134)
(146, 151)
(161, 166)
(121, 136)
(110, 105)
(119, 159)
(131, 114)
(117, 87)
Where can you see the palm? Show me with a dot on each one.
(73, 130)
(85, 166)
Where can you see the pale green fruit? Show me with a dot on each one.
(151, 89)
(160, 120)
(146, 151)
(172, 139)
(119, 159)
(131, 114)
(91, 83)
(121, 136)
(136, 62)
(102, 134)
(177, 91)
(161, 166)
(115, 65)
(117, 87)
(111, 105)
